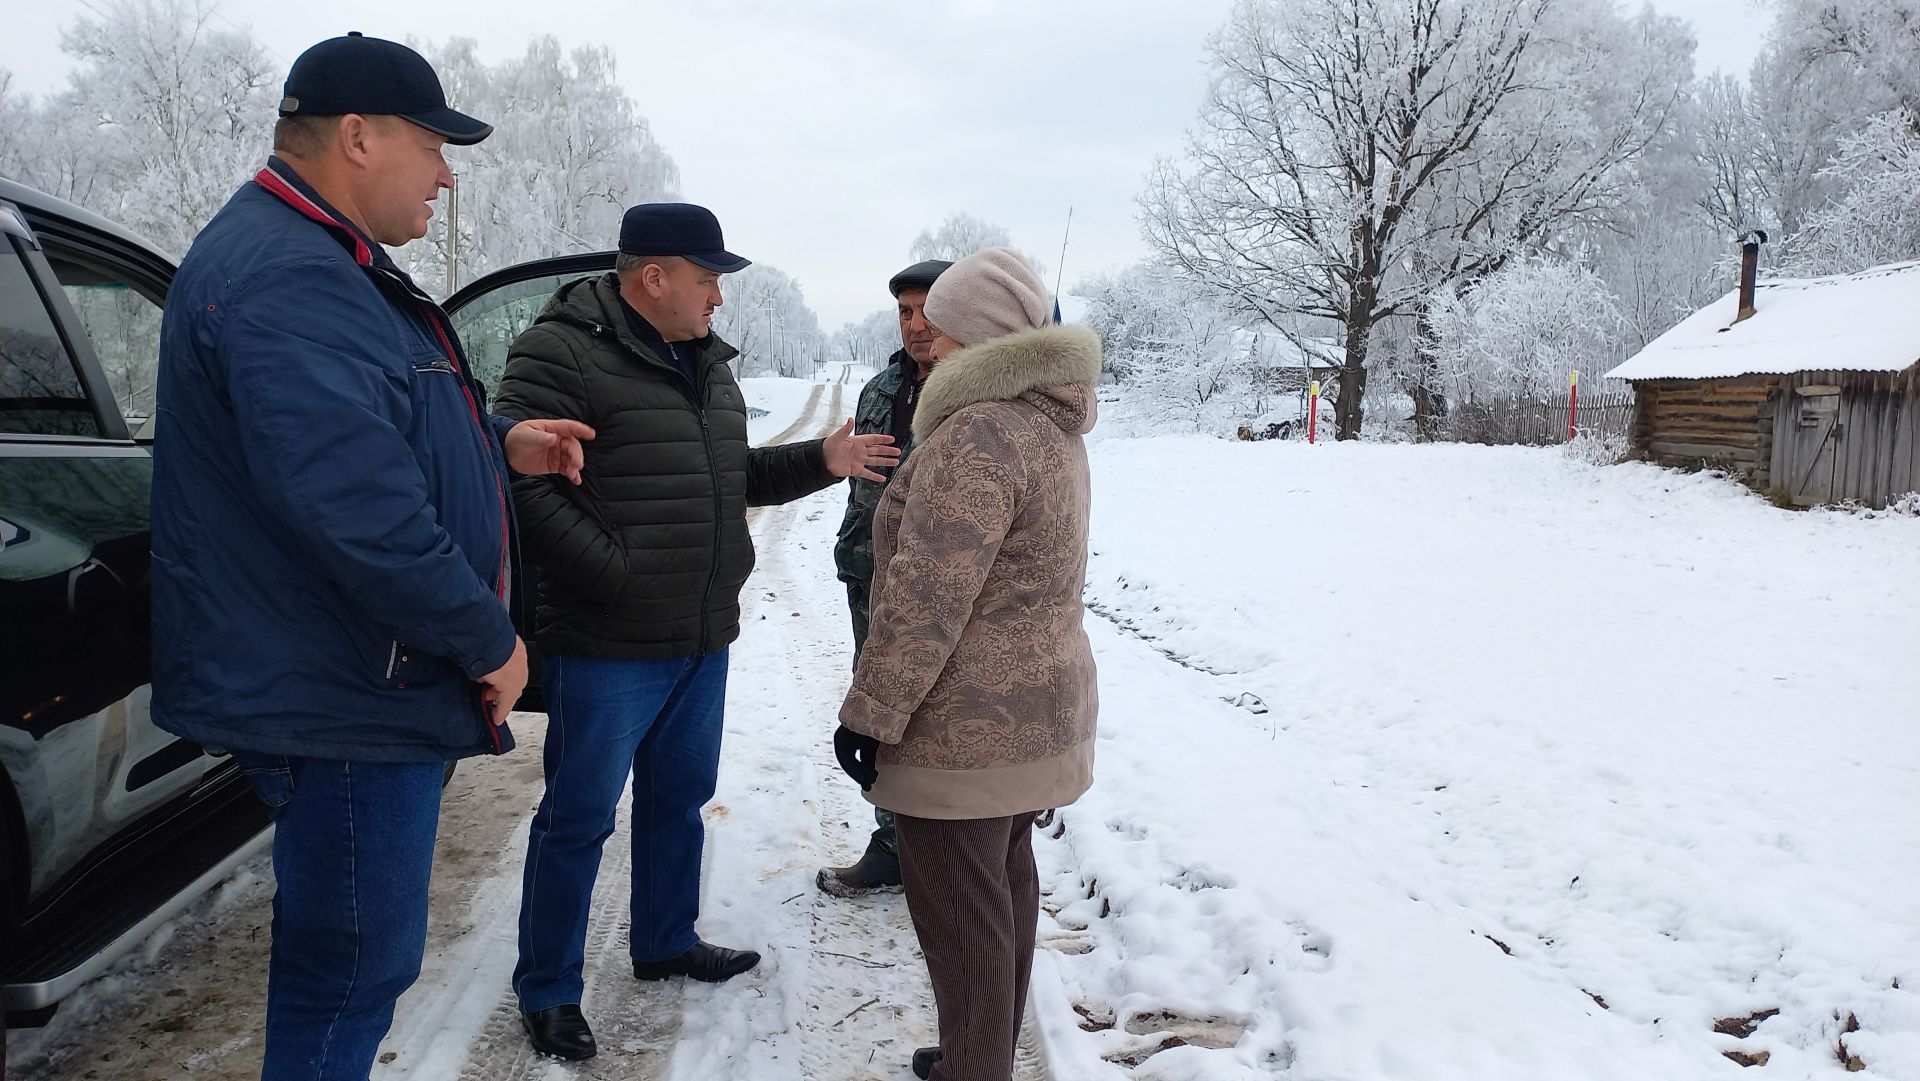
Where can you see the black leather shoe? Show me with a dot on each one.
(705, 962)
(923, 1061)
(877, 870)
(560, 1032)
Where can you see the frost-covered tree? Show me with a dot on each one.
(1520, 331)
(164, 115)
(1354, 156)
(16, 121)
(1725, 150)
(1182, 359)
(169, 111)
(959, 236)
(1661, 264)
(1877, 219)
(1840, 121)
(569, 153)
(1877, 39)
(766, 317)
(868, 342)
(1798, 110)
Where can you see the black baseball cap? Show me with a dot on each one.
(375, 77)
(679, 229)
(918, 276)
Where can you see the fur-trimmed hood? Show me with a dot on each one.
(1053, 366)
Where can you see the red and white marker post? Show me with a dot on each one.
(1573, 404)
(1313, 409)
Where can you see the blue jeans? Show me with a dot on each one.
(659, 720)
(352, 853)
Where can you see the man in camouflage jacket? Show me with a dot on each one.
(886, 406)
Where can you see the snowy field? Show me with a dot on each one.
(1419, 762)
(1415, 756)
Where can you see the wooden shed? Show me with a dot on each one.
(1813, 394)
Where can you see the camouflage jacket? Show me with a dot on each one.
(880, 410)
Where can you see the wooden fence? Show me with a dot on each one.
(1540, 422)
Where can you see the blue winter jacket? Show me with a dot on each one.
(332, 535)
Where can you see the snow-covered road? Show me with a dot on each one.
(840, 994)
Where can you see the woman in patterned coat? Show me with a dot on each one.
(974, 702)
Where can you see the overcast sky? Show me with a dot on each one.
(827, 133)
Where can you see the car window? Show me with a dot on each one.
(40, 389)
(121, 321)
(489, 323)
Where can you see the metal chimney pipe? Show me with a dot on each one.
(1750, 242)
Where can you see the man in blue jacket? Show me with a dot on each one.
(333, 542)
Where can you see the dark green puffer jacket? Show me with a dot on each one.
(646, 557)
(886, 407)
(881, 407)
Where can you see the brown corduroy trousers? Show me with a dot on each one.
(974, 896)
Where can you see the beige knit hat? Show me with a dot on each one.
(988, 294)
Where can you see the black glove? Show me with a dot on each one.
(859, 756)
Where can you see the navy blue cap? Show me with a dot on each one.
(679, 229)
(374, 77)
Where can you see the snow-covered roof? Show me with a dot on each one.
(1865, 322)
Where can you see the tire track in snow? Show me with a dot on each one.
(866, 1003)
(850, 989)
(635, 1023)
(806, 416)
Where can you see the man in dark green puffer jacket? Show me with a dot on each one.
(886, 407)
(641, 567)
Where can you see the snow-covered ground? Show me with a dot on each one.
(785, 400)
(1463, 741)
(1416, 762)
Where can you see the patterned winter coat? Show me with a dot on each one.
(977, 677)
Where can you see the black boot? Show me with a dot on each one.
(877, 870)
(560, 1032)
(705, 962)
(923, 1061)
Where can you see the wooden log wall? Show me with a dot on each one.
(1726, 423)
(1877, 449)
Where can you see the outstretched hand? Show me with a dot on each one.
(850, 455)
(536, 447)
